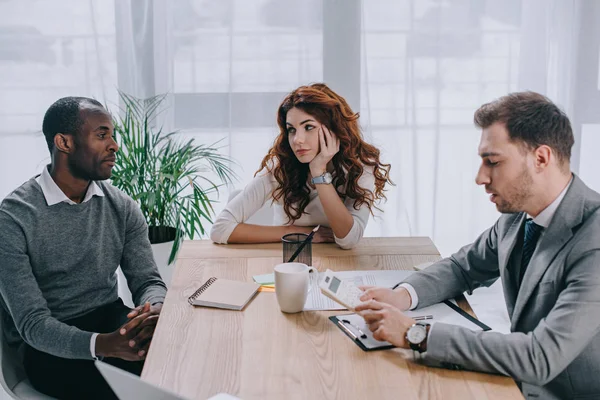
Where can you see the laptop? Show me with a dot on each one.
(128, 386)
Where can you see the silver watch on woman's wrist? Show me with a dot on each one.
(326, 178)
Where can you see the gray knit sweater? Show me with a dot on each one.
(58, 262)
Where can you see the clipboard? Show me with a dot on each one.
(354, 326)
(462, 312)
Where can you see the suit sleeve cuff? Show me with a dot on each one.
(431, 324)
(93, 345)
(414, 299)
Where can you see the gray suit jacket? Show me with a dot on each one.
(554, 348)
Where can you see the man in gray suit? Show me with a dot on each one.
(545, 248)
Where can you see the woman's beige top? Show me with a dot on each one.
(259, 192)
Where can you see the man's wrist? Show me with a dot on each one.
(102, 345)
(413, 298)
(405, 300)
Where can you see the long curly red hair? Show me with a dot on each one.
(333, 111)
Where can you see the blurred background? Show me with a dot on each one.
(415, 70)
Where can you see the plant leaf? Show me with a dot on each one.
(168, 177)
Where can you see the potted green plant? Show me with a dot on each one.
(166, 176)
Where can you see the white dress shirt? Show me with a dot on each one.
(54, 195)
(543, 219)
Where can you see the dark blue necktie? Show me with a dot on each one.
(532, 234)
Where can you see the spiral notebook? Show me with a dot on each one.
(224, 293)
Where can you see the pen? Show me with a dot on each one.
(345, 329)
(422, 317)
(304, 243)
(362, 334)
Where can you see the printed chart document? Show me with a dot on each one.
(318, 301)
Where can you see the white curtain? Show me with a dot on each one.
(423, 68)
(427, 66)
(48, 50)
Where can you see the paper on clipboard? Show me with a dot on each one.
(386, 278)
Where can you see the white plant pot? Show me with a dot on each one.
(161, 252)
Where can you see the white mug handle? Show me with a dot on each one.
(313, 271)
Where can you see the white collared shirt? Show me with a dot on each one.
(543, 219)
(54, 195)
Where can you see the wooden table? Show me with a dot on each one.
(262, 353)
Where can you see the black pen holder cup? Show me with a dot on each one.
(291, 242)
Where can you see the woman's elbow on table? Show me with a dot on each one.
(346, 245)
(220, 231)
(352, 238)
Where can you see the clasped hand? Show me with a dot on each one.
(131, 341)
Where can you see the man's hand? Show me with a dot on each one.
(155, 309)
(131, 341)
(399, 298)
(143, 322)
(386, 322)
(116, 345)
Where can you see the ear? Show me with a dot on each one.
(64, 143)
(543, 157)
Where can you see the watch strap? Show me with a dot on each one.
(321, 178)
(318, 179)
(415, 347)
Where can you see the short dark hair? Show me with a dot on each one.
(63, 117)
(532, 119)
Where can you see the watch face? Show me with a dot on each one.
(327, 177)
(416, 334)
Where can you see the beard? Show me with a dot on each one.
(515, 196)
(80, 168)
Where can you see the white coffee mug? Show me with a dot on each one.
(292, 284)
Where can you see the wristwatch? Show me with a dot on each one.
(325, 178)
(416, 336)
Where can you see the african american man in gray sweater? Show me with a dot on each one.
(63, 235)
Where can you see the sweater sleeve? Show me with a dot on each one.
(137, 262)
(360, 216)
(242, 207)
(26, 304)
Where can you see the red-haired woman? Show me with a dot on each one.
(319, 171)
